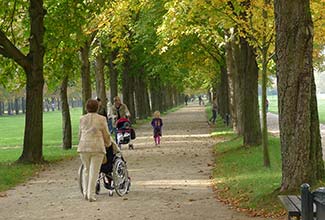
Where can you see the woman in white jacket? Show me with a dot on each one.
(93, 138)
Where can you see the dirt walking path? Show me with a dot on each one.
(170, 181)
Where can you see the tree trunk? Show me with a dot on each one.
(223, 96)
(33, 136)
(23, 104)
(248, 71)
(9, 107)
(232, 83)
(58, 102)
(140, 94)
(66, 119)
(156, 98)
(266, 156)
(239, 71)
(85, 75)
(17, 106)
(1, 108)
(127, 88)
(113, 73)
(100, 83)
(265, 48)
(147, 102)
(298, 115)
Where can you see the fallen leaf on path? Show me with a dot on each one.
(3, 194)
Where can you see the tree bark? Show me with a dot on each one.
(100, 83)
(85, 75)
(248, 72)
(66, 119)
(155, 94)
(223, 96)
(298, 115)
(113, 73)
(23, 104)
(33, 66)
(264, 50)
(1, 108)
(17, 106)
(239, 71)
(231, 83)
(127, 87)
(140, 94)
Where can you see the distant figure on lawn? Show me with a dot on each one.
(93, 138)
(266, 105)
(157, 124)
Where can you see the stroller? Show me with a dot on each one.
(124, 132)
(113, 174)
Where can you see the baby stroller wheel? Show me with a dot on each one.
(120, 177)
(80, 178)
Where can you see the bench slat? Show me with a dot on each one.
(296, 201)
(292, 204)
(290, 207)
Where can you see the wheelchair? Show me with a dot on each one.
(115, 178)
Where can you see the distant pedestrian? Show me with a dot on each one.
(157, 124)
(200, 100)
(186, 99)
(266, 105)
(214, 110)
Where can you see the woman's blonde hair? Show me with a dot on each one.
(156, 114)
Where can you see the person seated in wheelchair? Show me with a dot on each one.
(107, 165)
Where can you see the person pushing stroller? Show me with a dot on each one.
(121, 113)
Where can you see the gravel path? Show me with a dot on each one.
(168, 182)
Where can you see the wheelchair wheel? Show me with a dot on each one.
(120, 177)
(80, 178)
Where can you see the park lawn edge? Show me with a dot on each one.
(239, 178)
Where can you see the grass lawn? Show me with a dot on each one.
(273, 106)
(11, 141)
(240, 177)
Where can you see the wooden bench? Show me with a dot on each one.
(292, 204)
